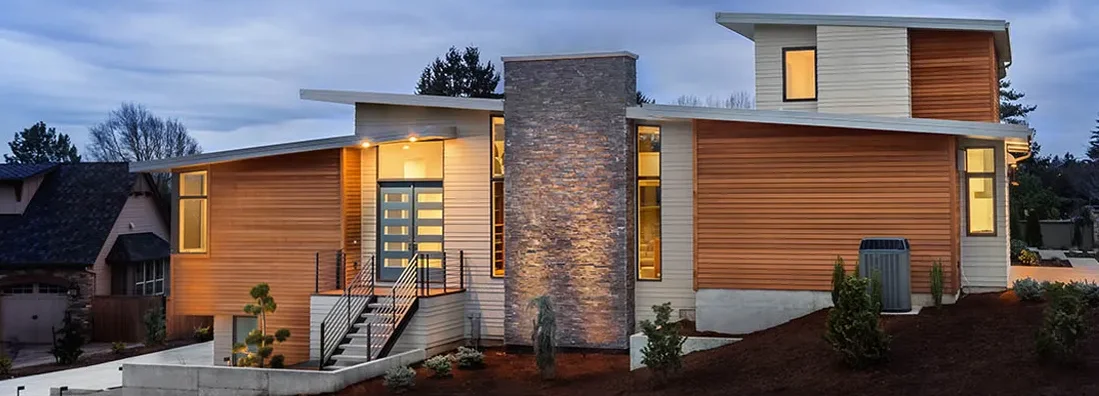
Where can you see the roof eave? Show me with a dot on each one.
(446, 102)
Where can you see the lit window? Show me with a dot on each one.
(799, 74)
(497, 182)
(149, 278)
(648, 203)
(411, 161)
(192, 212)
(980, 173)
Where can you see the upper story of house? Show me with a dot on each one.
(883, 66)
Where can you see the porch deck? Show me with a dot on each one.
(384, 290)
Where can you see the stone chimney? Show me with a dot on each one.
(568, 210)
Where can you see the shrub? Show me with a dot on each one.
(68, 341)
(853, 327)
(664, 349)
(155, 332)
(399, 379)
(1089, 291)
(838, 274)
(203, 334)
(439, 366)
(875, 290)
(1064, 326)
(1027, 289)
(1033, 229)
(1017, 248)
(1028, 257)
(937, 283)
(5, 365)
(469, 358)
(545, 329)
(277, 361)
(118, 347)
(264, 343)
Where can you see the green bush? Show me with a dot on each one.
(439, 366)
(68, 341)
(203, 334)
(1028, 257)
(838, 274)
(853, 328)
(543, 337)
(5, 365)
(664, 349)
(155, 330)
(1017, 248)
(1064, 326)
(937, 283)
(399, 379)
(875, 290)
(1027, 289)
(118, 347)
(1089, 291)
(1033, 230)
(469, 358)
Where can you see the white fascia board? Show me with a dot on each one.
(446, 102)
(985, 130)
(168, 164)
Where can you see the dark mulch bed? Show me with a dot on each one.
(1049, 262)
(95, 359)
(984, 345)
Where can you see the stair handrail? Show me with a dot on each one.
(351, 304)
(403, 293)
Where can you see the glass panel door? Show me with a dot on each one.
(410, 220)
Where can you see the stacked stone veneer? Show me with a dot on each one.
(569, 192)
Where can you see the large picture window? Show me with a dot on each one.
(799, 74)
(497, 182)
(193, 210)
(648, 202)
(980, 175)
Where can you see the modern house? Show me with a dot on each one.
(440, 218)
(69, 232)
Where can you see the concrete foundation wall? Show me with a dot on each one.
(223, 338)
(691, 344)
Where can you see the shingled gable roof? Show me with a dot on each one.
(17, 172)
(69, 217)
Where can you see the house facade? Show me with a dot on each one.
(440, 218)
(70, 232)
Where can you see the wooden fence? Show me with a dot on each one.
(121, 318)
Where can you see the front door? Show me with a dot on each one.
(411, 221)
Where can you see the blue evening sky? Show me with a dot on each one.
(231, 70)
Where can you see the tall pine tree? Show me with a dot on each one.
(460, 73)
(39, 144)
(1011, 111)
(1093, 143)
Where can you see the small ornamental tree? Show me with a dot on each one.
(155, 328)
(68, 341)
(664, 349)
(263, 343)
(853, 327)
(838, 275)
(543, 338)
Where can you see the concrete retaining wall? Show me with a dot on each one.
(692, 344)
(176, 380)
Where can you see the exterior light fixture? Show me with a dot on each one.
(412, 139)
(366, 144)
(405, 147)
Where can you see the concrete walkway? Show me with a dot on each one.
(34, 355)
(1083, 269)
(106, 375)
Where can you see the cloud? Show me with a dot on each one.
(231, 70)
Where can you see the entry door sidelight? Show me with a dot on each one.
(410, 221)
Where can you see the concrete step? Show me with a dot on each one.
(383, 325)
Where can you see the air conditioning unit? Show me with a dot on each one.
(889, 258)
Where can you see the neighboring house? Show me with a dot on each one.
(865, 126)
(69, 232)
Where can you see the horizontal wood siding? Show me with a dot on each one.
(954, 75)
(352, 210)
(777, 204)
(863, 70)
(770, 40)
(268, 217)
(676, 226)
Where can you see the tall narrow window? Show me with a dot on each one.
(799, 74)
(980, 173)
(192, 212)
(497, 196)
(648, 202)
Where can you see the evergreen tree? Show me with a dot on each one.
(642, 99)
(1011, 111)
(460, 73)
(1093, 143)
(39, 144)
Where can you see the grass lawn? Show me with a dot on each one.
(983, 345)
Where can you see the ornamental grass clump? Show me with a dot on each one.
(1064, 326)
(838, 275)
(937, 283)
(663, 352)
(853, 328)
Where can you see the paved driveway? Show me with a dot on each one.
(106, 375)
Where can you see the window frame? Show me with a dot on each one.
(637, 203)
(816, 74)
(205, 197)
(492, 180)
(142, 277)
(967, 175)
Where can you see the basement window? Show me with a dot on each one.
(799, 74)
(648, 202)
(193, 209)
(980, 173)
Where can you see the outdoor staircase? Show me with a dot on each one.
(367, 320)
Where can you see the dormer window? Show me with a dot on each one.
(799, 74)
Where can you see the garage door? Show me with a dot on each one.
(29, 311)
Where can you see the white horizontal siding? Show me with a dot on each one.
(676, 227)
(139, 215)
(863, 70)
(770, 40)
(369, 212)
(986, 259)
(319, 307)
(437, 323)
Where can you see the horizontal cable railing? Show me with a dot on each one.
(346, 311)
